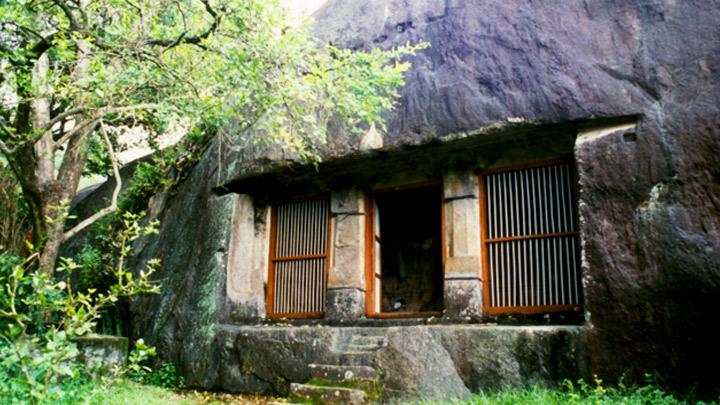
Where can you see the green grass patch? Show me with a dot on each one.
(130, 393)
(569, 393)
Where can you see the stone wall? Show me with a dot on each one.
(413, 362)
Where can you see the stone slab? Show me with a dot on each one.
(342, 373)
(327, 395)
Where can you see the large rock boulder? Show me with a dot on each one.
(649, 197)
(418, 366)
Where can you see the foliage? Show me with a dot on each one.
(163, 171)
(76, 75)
(95, 268)
(579, 393)
(137, 369)
(40, 317)
(166, 376)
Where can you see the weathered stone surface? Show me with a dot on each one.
(348, 237)
(462, 295)
(460, 185)
(462, 227)
(344, 304)
(494, 60)
(192, 244)
(247, 261)
(342, 373)
(496, 356)
(415, 361)
(649, 200)
(650, 222)
(100, 353)
(417, 366)
(346, 281)
(269, 358)
(462, 288)
(327, 395)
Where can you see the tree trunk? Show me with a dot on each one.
(68, 177)
(48, 190)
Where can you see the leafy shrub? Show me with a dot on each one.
(40, 318)
(95, 268)
(166, 376)
(137, 369)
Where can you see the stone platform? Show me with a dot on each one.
(409, 361)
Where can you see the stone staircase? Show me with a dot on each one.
(352, 380)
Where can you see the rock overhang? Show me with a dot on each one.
(507, 142)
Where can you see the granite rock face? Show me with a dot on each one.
(416, 365)
(649, 197)
(192, 244)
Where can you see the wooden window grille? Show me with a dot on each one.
(530, 240)
(299, 259)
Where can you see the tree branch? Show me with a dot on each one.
(76, 130)
(4, 148)
(116, 192)
(193, 40)
(99, 115)
(60, 117)
(68, 14)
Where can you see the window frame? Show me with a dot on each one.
(488, 309)
(272, 258)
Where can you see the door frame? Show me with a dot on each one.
(370, 214)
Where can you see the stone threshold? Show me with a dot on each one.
(570, 319)
(382, 328)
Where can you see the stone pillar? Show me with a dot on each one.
(462, 287)
(247, 261)
(346, 281)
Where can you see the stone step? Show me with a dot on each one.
(352, 347)
(350, 358)
(367, 340)
(327, 395)
(372, 332)
(342, 373)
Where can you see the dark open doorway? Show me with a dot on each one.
(406, 252)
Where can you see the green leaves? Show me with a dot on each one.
(40, 317)
(208, 62)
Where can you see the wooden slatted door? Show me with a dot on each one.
(530, 240)
(299, 259)
(377, 275)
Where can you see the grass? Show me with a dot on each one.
(573, 394)
(130, 393)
